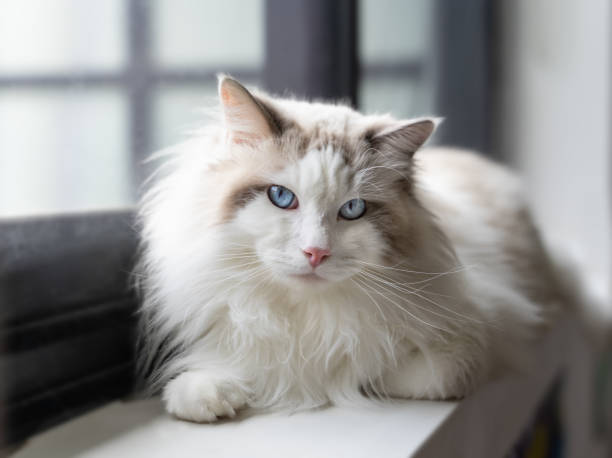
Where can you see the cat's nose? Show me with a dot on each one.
(316, 255)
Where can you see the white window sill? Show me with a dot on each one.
(485, 425)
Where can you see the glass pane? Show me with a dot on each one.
(212, 34)
(401, 97)
(180, 110)
(63, 151)
(394, 30)
(42, 36)
(395, 52)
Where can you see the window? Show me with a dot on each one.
(396, 52)
(88, 89)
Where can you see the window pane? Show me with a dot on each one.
(401, 97)
(395, 52)
(42, 36)
(179, 111)
(62, 151)
(213, 34)
(394, 30)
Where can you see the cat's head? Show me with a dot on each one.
(315, 191)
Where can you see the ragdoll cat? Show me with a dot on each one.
(301, 254)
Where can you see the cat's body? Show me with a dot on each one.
(439, 284)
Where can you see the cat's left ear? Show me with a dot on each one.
(246, 119)
(405, 136)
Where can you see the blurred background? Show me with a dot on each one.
(89, 88)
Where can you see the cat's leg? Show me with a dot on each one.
(205, 395)
(438, 374)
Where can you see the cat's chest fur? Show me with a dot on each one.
(302, 350)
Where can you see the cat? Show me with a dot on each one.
(300, 254)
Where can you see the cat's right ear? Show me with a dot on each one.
(246, 119)
(405, 136)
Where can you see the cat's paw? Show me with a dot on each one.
(199, 396)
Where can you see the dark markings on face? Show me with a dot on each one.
(278, 122)
(241, 197)
(381, 217)
(397, 234)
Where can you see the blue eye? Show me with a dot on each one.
(282, 197)
(353, 209)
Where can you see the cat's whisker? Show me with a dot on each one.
(435, 275)
(424, 290)
(240, 264)
(428, 281)
(226, 244)
(382, 315)
(234, 257)
(250, 277)
(381, 275)
(415, 291)
(403, 286)
(456, 269)
(237, 274)
(236, 252)
(372, 288)
(407, 300)
(416, 330)
(379, 266)
(265, 279)
(429, 300)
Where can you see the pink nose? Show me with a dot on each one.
(316, 255)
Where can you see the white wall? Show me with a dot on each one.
(553, 121)
(554, 113)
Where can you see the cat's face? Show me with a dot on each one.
(310, 226)
(319, 188)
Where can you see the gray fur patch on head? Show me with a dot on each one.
(363, 141)
(240, 197)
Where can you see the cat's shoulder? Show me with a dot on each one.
(459, 160)
(468, 182)
(465, 169)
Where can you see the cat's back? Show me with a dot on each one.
(480, 206)
(468, 193)
(467, 179)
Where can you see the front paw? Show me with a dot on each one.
(201, 397)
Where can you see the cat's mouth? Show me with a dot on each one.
(308, 277)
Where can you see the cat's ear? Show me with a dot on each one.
(246, 119)
(405, 136)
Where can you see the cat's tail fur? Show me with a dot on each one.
(592, 312)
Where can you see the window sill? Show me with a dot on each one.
(486, 424)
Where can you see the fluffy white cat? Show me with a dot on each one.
(299, 254)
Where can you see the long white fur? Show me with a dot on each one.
(237, 329)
